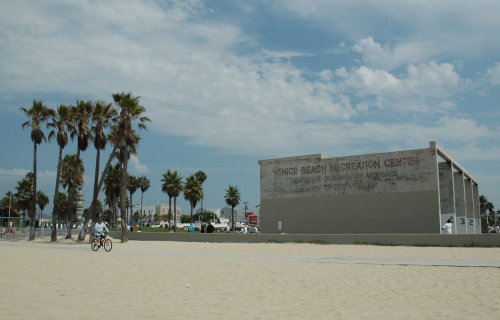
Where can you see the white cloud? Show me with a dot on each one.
(493, 74)
(196, 84)
(375, 55)
(423, 88)
(136, 166)
(447, 27)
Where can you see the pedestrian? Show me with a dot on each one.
(447, 227)
(210, 227)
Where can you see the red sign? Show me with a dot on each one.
(252, 220)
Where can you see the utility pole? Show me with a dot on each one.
(246, 208)
(10, 204)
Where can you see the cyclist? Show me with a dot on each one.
(100, 230)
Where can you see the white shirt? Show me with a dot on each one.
(447, 228)
(100, 228)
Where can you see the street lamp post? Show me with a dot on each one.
(10, 204)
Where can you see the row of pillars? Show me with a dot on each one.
(459, 199)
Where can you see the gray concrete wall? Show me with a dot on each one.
(460, 209)
(477, 212)
(446, 194)
(394, 192)
(310, 176)
(404, 212)
(473, 240)
(469, 206)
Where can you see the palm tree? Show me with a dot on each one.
(60, 124)
(130, 110)
(112, 188)
(144, 184)
(81, 114)
(132, 186)
(201, 176)
(23, 193)
(71, 178)
(38, 114)
(62, 207)
(42, 201)
(169, 187)
(192, 192)
(232, 198)
(101, 120)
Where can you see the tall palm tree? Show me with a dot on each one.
(232, 198)
(71, 178)
(60, 124)
(38, 114)
(23, 193)
(171, 180)
(81, 114)
(42, 201)
(144, 184)
(202, 177)
(192, 192)
(112, 188)
(130, 110)
(101, 120)
(132, 186)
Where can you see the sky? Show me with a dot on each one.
(227, 83)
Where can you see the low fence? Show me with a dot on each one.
(22, 233)
(435, 240)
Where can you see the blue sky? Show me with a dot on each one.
(227, 83)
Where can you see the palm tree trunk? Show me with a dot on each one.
(72, 200)
(175, 214)
(123, 190)
(140, 215)
(169, 211)
(70, 212)
(91, 212)
(33, 200)
(232, 218)
(192, 221)
(53, 234)
(129, 221)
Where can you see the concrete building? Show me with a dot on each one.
(404, 192)
(160, 209)
(239, 216)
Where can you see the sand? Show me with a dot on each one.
(185, 280)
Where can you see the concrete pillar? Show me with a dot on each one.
(446, 194)
(460, 209)
(477, 213)
(469, 206)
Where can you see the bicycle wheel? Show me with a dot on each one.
(108, 245)
(95, 244)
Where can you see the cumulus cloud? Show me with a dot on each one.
(377, 56)
(493, 74)
(424, 87)
(447, 27)
(197, 83)
(136, 166)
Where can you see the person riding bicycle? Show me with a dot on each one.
(100, 230)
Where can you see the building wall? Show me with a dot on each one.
(394, 192)
(409, 212)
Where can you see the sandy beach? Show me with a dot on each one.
(186, 280)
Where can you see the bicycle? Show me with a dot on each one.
(98, 242)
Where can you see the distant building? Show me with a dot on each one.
(239, 216)
(160, 209)
(216, 211)
(407, 192)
